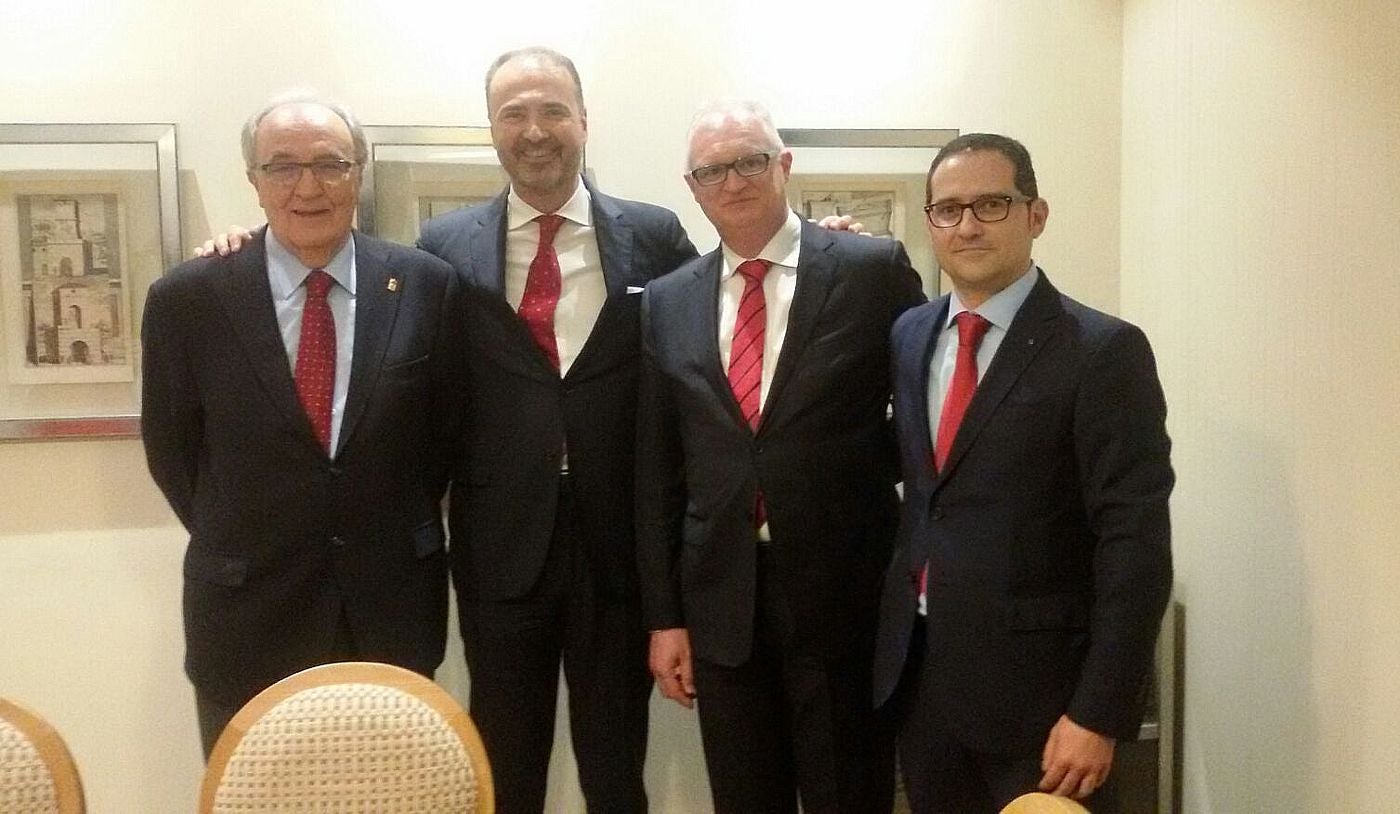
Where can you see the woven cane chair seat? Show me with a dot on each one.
(352, 737)
(37, 773)
(1038, 802)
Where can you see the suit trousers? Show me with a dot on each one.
(785, 724)
(514, 649)
(942, 776)
(214, 714)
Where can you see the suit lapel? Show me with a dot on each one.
(927, 339)
(703, 302)
(376, 309)
(488, 271)
(247, 302)
(1029, 333)
(613, 235)
(816, 271)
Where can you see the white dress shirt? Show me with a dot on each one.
(582, 287)
(778, 287)
(286, 275)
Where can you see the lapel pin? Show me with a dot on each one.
(393, 284)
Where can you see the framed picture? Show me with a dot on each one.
(89, 217)
(415, 173)
(875, 176)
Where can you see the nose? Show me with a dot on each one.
(733, 181)
(306, 186)
(969, 226)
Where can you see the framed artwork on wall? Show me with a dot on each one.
(415, 173)
(89, 217)
(875, 176)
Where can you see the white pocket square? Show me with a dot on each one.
(635, 289)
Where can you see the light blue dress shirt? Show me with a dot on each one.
(286, 275)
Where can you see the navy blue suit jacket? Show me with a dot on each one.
(1046, 533)
(283, 538)
(504, 491)
(823, 453)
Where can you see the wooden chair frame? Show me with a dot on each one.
(351, 672)
(68, 786)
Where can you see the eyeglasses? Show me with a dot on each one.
(992, 209)
(749, 165)
(328, 173)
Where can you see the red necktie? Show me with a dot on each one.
(315, 370)
(746, 356)
(971, 328)
(542, 288)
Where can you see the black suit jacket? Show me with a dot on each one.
(1046, 533)
(822, 454)
(505, 490)
(281, 536)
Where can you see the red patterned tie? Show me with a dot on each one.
(315, 371)
(746, 354)
(542, 289)
(971, 328)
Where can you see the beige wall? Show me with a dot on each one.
(1260, 186)
(1255, 143)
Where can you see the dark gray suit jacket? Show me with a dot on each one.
(823, 453)
(1046, 532)
(282, 537)
(504, 492)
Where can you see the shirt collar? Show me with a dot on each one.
(999, 309)
(782, 248)
(286, 273)
(578, 208)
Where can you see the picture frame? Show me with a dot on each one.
(417, 172)
(876, 176)
(89, 217)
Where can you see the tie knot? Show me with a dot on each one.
(318, 283)
(753, 270)
(971, 328)
(549, 226)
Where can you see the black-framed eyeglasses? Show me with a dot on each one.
(328, 172)
(991, 209)
(749, 165)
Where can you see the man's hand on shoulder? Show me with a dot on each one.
(229, 242)
(1076, 760)
(670, 664)
(842, 223)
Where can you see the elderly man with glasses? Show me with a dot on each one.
(765, 491)
(296, 401)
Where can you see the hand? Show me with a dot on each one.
(1076, 760)
(842, 223)
(225, 244)
(670, 665)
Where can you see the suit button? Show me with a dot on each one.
(936, 514)
(338, 541)
(336, 471)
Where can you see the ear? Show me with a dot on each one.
(690, 182)
(1039, 214)
(785, 161)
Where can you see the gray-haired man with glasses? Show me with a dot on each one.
(765, 489)
(297, 402)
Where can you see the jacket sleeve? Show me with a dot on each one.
(171, 416)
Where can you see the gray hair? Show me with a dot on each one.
(714, 112)
(548, 56)
(303, 97)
